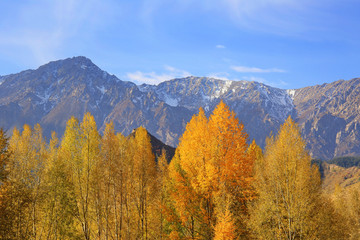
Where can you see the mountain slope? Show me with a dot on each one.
(344, 177)
(327, 114)
(261, 108)
(56, 91)
(53, 93)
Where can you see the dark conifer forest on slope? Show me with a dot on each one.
(216, 186)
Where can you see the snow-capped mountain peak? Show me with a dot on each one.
(195, 92)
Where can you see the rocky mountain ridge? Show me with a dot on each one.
(327, 114)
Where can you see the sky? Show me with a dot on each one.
(287, 44)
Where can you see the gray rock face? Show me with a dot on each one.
(329, 117)
(260, 108)
(328, 114)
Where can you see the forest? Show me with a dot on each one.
(218, 185)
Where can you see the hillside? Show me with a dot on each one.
(339, 176)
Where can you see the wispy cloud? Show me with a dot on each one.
(284, 17)
(244, 69)
(41, 29)
(219, 75)
(156, 78)
(220, 46)
(255, 79)
(277, 84)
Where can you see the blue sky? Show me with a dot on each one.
(282, 43)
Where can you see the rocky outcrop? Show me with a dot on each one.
(329, 116)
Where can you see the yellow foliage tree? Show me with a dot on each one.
(225, 227)
(113, 177)
(108, 166)
(80, 148)
(290, 205)
(60, 206)
(347, 205)
(6, 213)
(26, 167)
(211, 165)
(353, 205)
(187, 172)
(162, 197)
(144, 180)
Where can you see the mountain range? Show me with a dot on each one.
(328, 114)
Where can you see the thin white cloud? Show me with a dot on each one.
(255, 79)
(220, 46)
(176, 72)
(277, 84)
(156, 78)
(42, 28)
(283, 17)
(219, 75)
(244, 69)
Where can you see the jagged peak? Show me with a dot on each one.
(194, 80)
(197, 79)
(80, 61)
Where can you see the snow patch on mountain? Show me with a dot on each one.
(291, 93)
(44, 98)
(278, 102)
(102, 89)
(225, 87)
(171, 101)
(195, 92)
(220, 90)
(145, 88)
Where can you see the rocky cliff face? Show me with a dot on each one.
(328, 114)
(56, 91)
(260, 108)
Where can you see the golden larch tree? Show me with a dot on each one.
(6, 211)
(60, 206)
(289, 204)
(211, 167)
(26, 178)
(143, 183)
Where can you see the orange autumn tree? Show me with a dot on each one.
(225, 227)
(211, 177)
